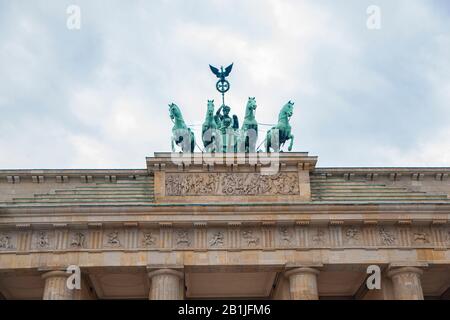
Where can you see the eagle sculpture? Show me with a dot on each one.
(221, 74)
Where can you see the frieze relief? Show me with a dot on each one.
(149, 238)
(251, 238)
(217, 238)
(113, 239)
(6, 241)
(421, 236)
(270, 237)
(318, 237)
(183, 238)
(387, 236)
(352, 235)
(249, 184)
(286, 237)
(78, 240)
(43, 240)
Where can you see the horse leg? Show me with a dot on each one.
(192, 142)
(211, 144)
(268, 138)
(291, 137)
(173, 146)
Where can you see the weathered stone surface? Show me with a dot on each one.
(406, 283)
(303, 283)
(227, 232)
(244, 184)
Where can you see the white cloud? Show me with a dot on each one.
(99, 96)
(434, 151)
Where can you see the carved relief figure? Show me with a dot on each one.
(113, 239)
(421, 237)
(5, 242)
(217, 240)
(352, 235)
(149, 240)
(78, 240)
(386, 237)
(43, 241)
(183, 238)
(284, 183)
(285, 236)
(251, 239)
(319, 236)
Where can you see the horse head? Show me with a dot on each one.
(210, 109)
(174, 111)
(251, 104)
(287, 110)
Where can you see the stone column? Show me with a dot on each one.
(303, 283)
(406, 283)
(166, 284)
(56, 286)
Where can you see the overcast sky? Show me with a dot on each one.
(98, 97)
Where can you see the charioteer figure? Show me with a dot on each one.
(229, 136)
(224, 113)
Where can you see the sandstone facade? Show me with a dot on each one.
(209, 229)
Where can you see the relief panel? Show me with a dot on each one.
(229, 184)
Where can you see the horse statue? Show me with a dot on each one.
(209, 129)
(248, 141)
(278, 135)
(180, 131)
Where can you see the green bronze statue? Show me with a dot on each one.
(182, 136)
(224, 112)
(249, 130)
(210, 132)
(220, 131)
(228, 128)
(228, 136)
(278, 135)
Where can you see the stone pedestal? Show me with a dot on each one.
(56, 286)
(406, 283)
(166, 284)
(231, 177)
(303, 283)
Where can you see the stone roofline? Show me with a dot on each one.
(416, 173)
(384, 173)
(161, 161)
(63, 175)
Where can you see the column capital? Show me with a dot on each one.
(399, 270)
(166, 283)
(165, 271)
(400, 264)
(55, 273)
(56, 286)
(406, 282)
(301, 270)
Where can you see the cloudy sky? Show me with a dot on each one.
(97, 97)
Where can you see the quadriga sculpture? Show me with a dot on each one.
(182, 136)
(249, 130)
(278, 135)
(210, 135)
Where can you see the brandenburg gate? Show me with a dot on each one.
(223, 228)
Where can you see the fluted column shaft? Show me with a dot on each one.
(303, 283)
(56, 286)
(166, 284)
(406, 283)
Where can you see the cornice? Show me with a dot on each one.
(64, 175)
(391, 173)
(242, 208)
